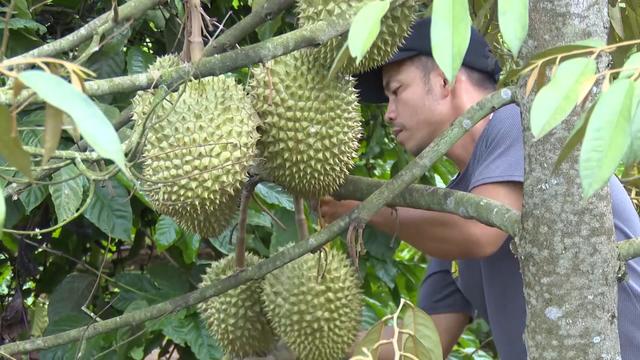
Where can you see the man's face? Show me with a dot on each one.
(417, 110)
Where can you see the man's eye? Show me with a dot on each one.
(395, 90)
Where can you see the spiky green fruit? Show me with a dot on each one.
(396, 24)
(199, 144)
(311, 124)
(317, 317)
(236, 318)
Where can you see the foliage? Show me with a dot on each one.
(145, 258)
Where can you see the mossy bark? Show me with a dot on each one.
(566, 246)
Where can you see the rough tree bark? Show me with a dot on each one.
(566, 247)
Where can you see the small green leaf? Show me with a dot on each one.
(258, 218)
(189, 244)
(425, 342)
(18, 24)
(633, 152)
(60, 301)
(166, 233)
(33, 196)
(138, 60)
(283, 237)
(67, 195)
(110, 210)
(52, 131)
(577, 134)
(607, 136)
(10, 147)
(556, 99)
(513, 17)
(273, 194)
(365, 28)
(450, 34)
(373, 336)
(93, 125)
(632, 65)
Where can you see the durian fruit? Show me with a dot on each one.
(396, 24)
(199, 144)
(318, 317)
(236, 318)
(311, 124)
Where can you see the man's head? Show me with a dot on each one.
(421, 101)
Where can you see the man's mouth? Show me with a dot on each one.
(396, 132)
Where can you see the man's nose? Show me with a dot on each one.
(390, 114)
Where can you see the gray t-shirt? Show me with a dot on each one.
(491, 288)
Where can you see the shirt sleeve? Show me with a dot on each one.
(439, 292)
(502, 149)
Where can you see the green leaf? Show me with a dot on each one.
(577, 134)
(3, 210)
(633, 66)
(450, 34)
(224, 242)
(110, 210)
(273, 194)
(191, 331)
(26, 24)
(170, 278)
(64, 323)
(379, 244)
(33, 196)
(633, 152)
(93, 125)
(369, 340)
(567, 87)
(67, 195)
(425, 343)
(189, 244)
(607, 136)
(268, 29)
(138, 60)
(166, 233)
(365, 28)
(258, 218)
(10, 148)
(145, 288)
(564, 49)
(513, 17)
(283, 237)
(22, 9)
(61, 302)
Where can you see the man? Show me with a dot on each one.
(421, 104)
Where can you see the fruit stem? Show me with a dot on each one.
(247, 191)
(301, 220)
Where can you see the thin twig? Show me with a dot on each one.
(5, 33)
(266, 210)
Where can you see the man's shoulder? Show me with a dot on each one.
(506, 118)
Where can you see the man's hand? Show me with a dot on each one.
(332, 209)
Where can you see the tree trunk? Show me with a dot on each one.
(566, 248)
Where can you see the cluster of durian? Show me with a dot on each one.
(300, 129)
(316, 314)
(395, 26)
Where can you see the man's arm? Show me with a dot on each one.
(442, 235)
(450, 327)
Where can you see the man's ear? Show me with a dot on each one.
(441, 84)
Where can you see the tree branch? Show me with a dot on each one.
(361, 214)
(246, 26)
(216, 65)
(466, 205)
(629, 249)
(131, 10)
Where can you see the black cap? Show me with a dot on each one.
(477, 57)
